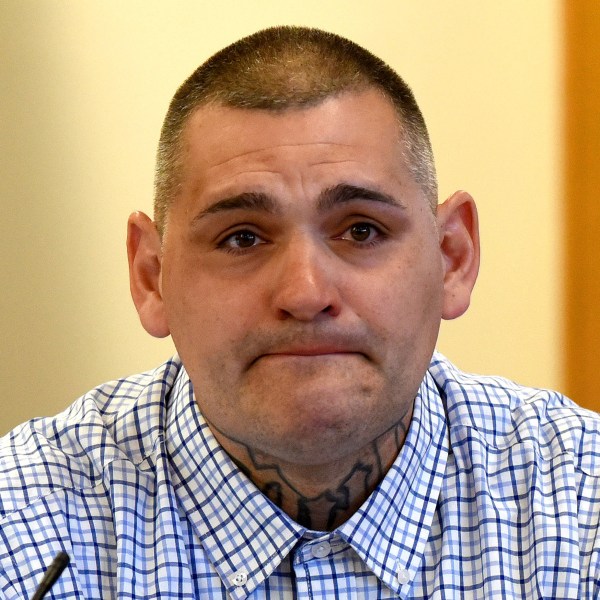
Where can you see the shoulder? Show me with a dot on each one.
(502, 414)
(118, 420)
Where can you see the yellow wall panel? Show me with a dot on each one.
(83, 89)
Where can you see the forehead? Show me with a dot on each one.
(352, 135)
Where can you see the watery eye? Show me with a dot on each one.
(243, 239)
(360, 232)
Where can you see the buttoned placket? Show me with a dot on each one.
(325, 567)
(311, 559)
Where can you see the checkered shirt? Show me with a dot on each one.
(495, 494)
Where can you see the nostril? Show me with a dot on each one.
(309, 312)
(331, 310)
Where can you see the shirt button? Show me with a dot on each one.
(321, 550)
(402, 576)
(240, 578)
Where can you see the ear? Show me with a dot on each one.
(459, 242)
(144, 254)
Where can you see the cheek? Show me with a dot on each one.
(206, 316)
(408, 286)
(405, 304)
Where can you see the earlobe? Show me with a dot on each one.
(459, 242)
(144, 255)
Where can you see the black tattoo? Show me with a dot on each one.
(331, 506)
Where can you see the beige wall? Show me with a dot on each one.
(84, 86)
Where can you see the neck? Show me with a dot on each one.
(320, 497)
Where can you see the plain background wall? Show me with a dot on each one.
(83, 90)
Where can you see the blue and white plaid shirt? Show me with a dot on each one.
(495, 494)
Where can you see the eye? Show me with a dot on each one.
(361, 233)
(241, 240)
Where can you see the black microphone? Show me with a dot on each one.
(58, 565)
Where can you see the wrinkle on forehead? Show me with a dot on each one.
(332, 162)
(284, 146)
(346, 140)
(233, 175)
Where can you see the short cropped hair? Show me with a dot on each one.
(283, 68)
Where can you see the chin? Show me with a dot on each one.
(318, 437)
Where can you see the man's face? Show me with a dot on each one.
(302, 276)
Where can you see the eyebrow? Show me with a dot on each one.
(328, 199)
(344, 192)
(244, 201)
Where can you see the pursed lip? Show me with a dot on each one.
(296, 344)
(310, 351)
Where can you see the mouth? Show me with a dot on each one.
(310, 352)
(307, 347)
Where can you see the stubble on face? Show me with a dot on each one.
(306, 410)
(316, 433)
(322, 473)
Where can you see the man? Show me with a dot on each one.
(307, 442)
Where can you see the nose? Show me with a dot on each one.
(305, 282)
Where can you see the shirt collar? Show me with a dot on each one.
(390, 531)
(240, 529)
(243, 532)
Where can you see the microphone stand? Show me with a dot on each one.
(52, 573)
